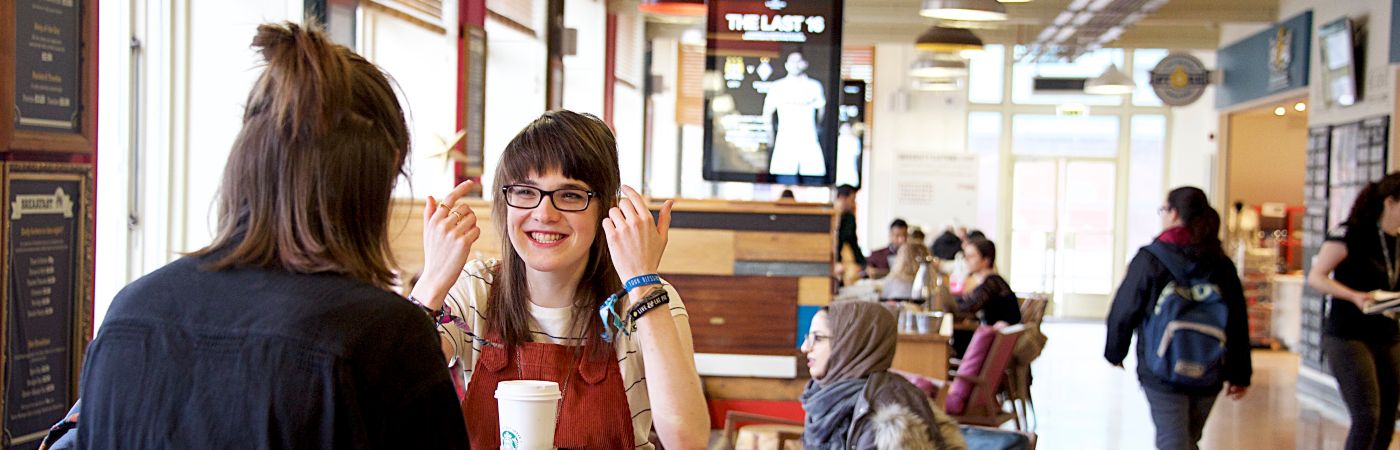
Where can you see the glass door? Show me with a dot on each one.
(1062, 232)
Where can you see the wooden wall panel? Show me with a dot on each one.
(699, 252)
(761, 246)
(406, 233)
(745, 315)
(814, 291)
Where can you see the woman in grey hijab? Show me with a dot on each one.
(853, 401)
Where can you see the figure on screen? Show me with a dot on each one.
(799, 101)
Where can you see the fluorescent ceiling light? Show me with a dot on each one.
(970, 10)
(1111, 82)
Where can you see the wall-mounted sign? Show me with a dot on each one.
(772, 91)
(47, 75)
(1270, 61)
(45, 306)
(1180, 79)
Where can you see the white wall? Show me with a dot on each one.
(195, 70)
(628, 104)
(1377, 83)
(515, 94)
(1193, 145)
(930, 122)
(665, 151)
(584, 71)
(423, 65)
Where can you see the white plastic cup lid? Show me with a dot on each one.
(529, 390)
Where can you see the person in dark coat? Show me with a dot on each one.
(284, 332)
(1191, 232)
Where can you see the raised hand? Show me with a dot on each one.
(449, 230)
(635, 240)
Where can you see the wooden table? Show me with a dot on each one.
(924, 354)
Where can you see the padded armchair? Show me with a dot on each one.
(973, 397)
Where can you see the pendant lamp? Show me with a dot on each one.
(692, 8)
(970, 10)
(947, 40)
(1111, 82)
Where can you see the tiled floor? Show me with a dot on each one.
(1086, 404)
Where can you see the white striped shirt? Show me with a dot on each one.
(549, 325)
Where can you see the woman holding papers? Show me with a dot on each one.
(1362, 341)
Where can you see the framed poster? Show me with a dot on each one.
(473, 102)
(772, 91)
(46, 302)
(48, 75)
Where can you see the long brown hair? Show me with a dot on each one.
(308, 182)
(581, 147)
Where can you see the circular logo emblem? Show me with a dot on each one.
(510, 439)
(1179, 79)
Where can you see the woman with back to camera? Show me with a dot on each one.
(1363, 350)
(853, 400)
(570, 246)
(283, 333)
(1189, 245)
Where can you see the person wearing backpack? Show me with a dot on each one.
(1183, 299)
(1360, 257)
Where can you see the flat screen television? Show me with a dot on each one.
(772, 91)
(1340, 62)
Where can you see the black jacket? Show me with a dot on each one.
(1137, 297)
(265, 359)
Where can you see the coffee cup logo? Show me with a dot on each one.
(510, 440)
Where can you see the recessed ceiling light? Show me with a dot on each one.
(1300, 106)
(1280, 111)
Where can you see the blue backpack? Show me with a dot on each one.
(1184, 334)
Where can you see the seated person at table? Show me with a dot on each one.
(880, 261)
(985, 293)
(853, 400)
(900, 281)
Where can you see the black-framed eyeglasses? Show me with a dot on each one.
(529, 197)
(816, 338)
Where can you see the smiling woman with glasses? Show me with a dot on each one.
(575, 299)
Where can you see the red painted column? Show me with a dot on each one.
(610, 69)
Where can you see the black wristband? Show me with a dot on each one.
(653, 300)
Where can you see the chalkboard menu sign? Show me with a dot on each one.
(48, 65)
(46, 318)
(47, 78)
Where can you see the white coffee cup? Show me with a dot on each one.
(527, 409)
